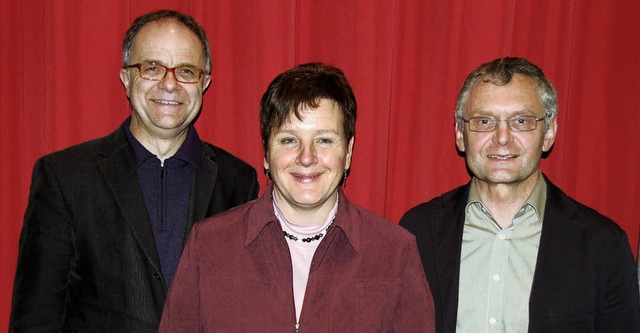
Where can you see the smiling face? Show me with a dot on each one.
(307, 159)
(164, 109)
(503, 156)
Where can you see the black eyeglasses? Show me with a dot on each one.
(515, 123)
(155, 72)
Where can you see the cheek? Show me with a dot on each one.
(333, 158)
(194, 93)
(139, 88)
(279, 158)
(475, 145)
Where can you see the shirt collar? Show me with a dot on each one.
(536, 199)
(263, 214)
(538, 196)
(190, 151)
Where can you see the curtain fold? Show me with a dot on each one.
(405, 60)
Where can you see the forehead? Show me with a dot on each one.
(326, 116)
(167, 41)
(520, 94)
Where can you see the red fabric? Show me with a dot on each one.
(405, 59)
(365, 276)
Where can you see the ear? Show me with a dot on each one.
(125, 79)
(459, 136)
(206, 81)
(265, 162)
(550, 135)
(347, 162)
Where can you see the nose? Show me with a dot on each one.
(502, 134)
(169, 82)
(307, 156)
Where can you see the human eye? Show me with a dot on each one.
(151, 68)
(186, 71)
(483, 122)
(521, 120)
(522, 123)
(324, 141)
(287, 141)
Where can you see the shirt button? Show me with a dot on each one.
(492, 321)
(496, 277)
(156, 275)
(501, 236)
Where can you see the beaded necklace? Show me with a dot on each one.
(305, 239)
(308, 239)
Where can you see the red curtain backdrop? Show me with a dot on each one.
(406, 59)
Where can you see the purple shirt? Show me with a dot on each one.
(235, 275)
(167, 193)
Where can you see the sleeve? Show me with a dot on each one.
(45, 255)
(638, 265)
(182, 307)
(415, 310)
(620, 309)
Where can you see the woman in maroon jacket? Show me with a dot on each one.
(302, 258)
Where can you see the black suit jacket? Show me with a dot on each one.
(584, 280)
(87, 256)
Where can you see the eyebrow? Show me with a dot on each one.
(483, 113)
(324, 131)
(158, 62)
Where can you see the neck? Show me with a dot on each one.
(504, 200)
(162, 146)
(304, 215)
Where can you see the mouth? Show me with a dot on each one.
(305, 177)
(501, 157)
(165, 102)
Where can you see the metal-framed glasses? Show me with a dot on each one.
(515, 123)
(155, 72)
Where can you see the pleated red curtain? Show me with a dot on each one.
(406, 60)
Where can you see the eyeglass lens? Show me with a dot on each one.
(516, 123)
(155, 72)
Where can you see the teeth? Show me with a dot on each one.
(500, 157)
(305, 176)
(166, 102)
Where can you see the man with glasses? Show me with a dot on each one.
(106, 220)
(509, 251)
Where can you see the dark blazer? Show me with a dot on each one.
(87, 256)
(584, 280)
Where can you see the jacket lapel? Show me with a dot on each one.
(447, 235)
(119, 173)
(202, 190)
(560, 234)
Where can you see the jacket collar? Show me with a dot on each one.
(560, 227)
(118, 169)
(262, 214)
(191, 150)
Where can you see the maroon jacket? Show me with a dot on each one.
(235, 276)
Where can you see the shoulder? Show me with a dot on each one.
(377, 228)
(226, 160)
(572, 213)
(420, 215)
(84, 154)
(227, 223)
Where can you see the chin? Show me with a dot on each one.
(500, 178)
(307, 200)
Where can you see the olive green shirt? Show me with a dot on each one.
(497, 265)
